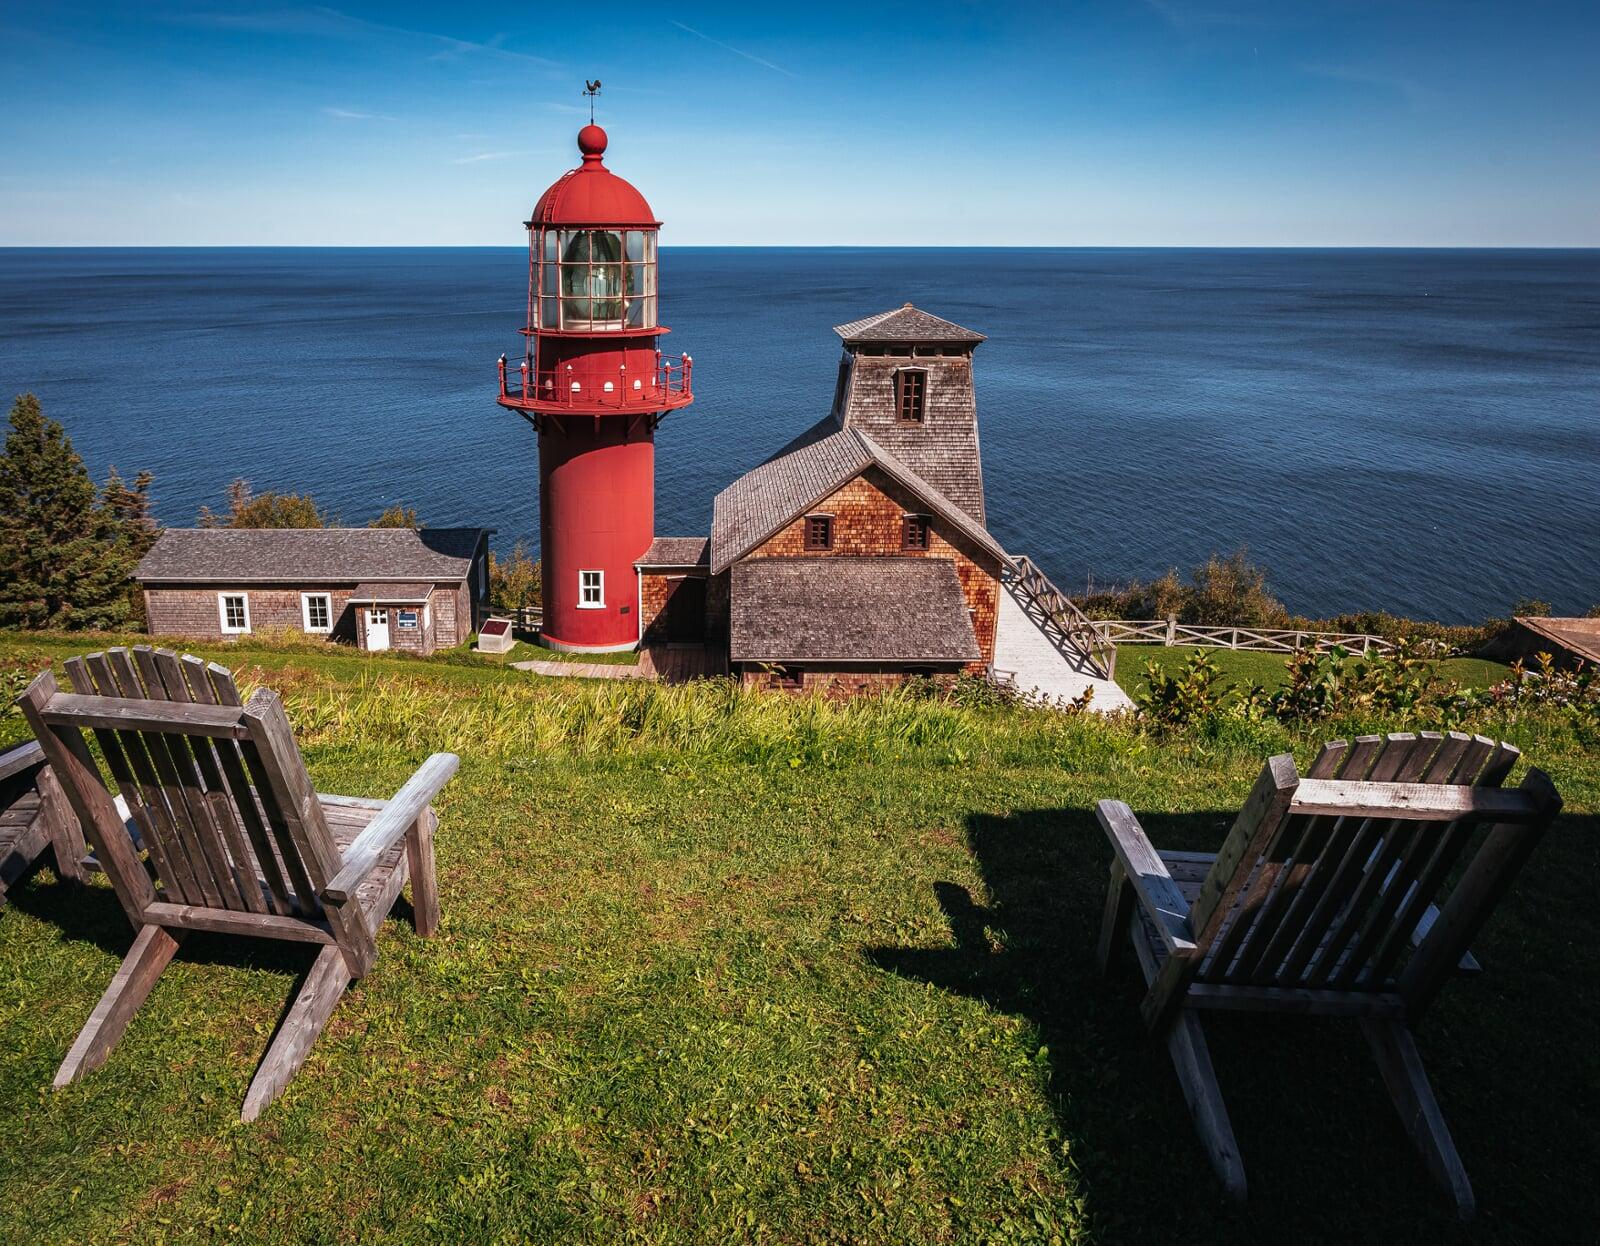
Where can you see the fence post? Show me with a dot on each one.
(1172, 630)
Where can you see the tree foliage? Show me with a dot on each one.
(248, 509)
(516, 581)
(69, 550)
(396, 516)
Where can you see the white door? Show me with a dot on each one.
(377, 628)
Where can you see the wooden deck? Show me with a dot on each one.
(679, 663)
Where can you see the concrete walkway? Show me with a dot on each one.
(1052, 670)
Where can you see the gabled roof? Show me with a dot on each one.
(804, 472)
(310, 555)
(906, 611)
(906, 325)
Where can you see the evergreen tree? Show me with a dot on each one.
(65, 555)
(264, 510)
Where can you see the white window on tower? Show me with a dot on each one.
(316, 612)
(233, 611)
(591, 590)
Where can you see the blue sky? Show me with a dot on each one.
(1129, 122)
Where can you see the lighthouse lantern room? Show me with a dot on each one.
(594, 383)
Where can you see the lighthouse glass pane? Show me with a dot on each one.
(635, 246)
(552, 241)
(575, 247)
(550, 313)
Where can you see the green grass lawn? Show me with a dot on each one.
(1243, 666)
(719, 968)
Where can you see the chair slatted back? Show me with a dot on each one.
(216, 789)
(1323, 885)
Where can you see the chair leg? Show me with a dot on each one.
(324, 986)
(1191, 1058)
(66, 837)
(1401, 1066)
(152, 949)
(1114, 926)
(424, 879)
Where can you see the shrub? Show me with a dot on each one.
(1192, 694)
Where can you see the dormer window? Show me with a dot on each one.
(910, 387)
(819, 532)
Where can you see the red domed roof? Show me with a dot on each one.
(592, 194)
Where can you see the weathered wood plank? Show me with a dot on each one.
(232, 921)
(1401, 1065)
(1147, 875)
(152, 950)
(1428, 802)
(1118, 913)
(302, 816)
(21, 757)
(396, 817)
(1298, 1000)
(69, 757)
(309, 1014)
(112, 674)
(424, 878)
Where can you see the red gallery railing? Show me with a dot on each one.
(665, 385)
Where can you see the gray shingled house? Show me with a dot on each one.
(858, 553)
(377, 588)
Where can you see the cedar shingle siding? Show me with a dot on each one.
(910, 577)
(439, 573)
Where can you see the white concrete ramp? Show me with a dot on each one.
(1041, 661)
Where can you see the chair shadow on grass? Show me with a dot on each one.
(1324, 1151)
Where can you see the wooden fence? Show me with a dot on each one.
(1099, 650)
(1232, 636)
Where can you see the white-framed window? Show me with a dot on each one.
(591, 590)
(483, 576)
(233, 612)
(316, 612)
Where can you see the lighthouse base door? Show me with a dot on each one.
(377, 629)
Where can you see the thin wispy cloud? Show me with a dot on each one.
(483, 156)
(574, 110)
(319, 20)
(1408, 89)
(728, 47)
(351, 114)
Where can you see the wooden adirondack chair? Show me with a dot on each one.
(1322, 890)
(34, 814)
(238, 841)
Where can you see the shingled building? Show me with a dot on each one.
(416, 590)
(858, 553)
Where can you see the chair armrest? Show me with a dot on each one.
(389, 824)
(19, 758)
(1147, 875)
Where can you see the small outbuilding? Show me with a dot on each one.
(415, 590)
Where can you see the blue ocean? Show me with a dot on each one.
(1414, 431)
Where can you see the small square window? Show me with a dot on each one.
(910, 385)
(316, 612)
(591, 590)
(914, 534)
(819, 532)
(233, 609)
(790, 677)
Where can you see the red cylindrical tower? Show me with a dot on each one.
(594, 383)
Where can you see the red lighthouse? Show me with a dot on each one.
(594, 384)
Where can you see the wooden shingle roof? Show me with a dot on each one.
(905, 611)
(906, 325)
(806, 471)
(676, 551)
(309, 555)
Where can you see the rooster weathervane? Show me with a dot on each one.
(591, 89)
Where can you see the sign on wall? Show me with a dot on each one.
(408, 618)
